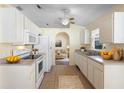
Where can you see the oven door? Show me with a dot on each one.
(39, 68)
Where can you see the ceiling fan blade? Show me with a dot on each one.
(72, 18)
(38, 6)
(72, 22)
(19, 8)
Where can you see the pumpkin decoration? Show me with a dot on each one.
(117, 54)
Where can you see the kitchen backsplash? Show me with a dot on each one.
(6, 49)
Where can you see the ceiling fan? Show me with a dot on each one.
(66, 20)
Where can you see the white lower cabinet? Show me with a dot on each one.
(93, 71)
(101, 76)
(98, 78)
(83, 65)
(81, 62)
(95, 74)
(20, 76)
(90, 72)
(77, 56)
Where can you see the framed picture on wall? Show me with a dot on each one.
(58, 43)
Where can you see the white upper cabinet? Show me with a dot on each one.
(7, 25)
(85, 37)
(34, 28)
(27, 23)
(19, 27)
(118, 27)
(111, 28)
(13, 26)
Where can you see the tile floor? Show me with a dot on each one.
(50, 80)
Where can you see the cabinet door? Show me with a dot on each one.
(77, 61)
(75, 58)
(87, 37)
(90, 71)
(82, 37)
(118, 27)
(19, 27)
(80, 65)
(98, 78)
(33, 28)
(7, 25)
(31, 77)
(27, 23)
(84, 65)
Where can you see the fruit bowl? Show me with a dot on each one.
(107, 57)
(13, 59)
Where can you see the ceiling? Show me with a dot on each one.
(48, 16)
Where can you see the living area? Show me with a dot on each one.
(62, 48)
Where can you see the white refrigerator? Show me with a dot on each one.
(45, 46)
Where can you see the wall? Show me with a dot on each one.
(105, 24)
(74, 35)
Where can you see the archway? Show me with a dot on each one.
(62, 44)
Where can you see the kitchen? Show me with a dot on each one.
(33, 46)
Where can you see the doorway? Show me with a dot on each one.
(62, 45)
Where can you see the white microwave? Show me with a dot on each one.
(30, 38)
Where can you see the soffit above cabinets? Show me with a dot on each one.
(48, 15)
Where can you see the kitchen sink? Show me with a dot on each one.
(91, 53)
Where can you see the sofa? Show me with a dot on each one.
(61, 53)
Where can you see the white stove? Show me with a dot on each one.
(39, 67)
(39, 60)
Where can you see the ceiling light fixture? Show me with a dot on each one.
(65, 20)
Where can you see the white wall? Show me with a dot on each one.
(74, 35)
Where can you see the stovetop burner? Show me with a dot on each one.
(32, 57)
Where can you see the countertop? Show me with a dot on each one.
(100, 60)
(22, 62)
(26, 62)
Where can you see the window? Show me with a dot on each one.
(95, 39)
